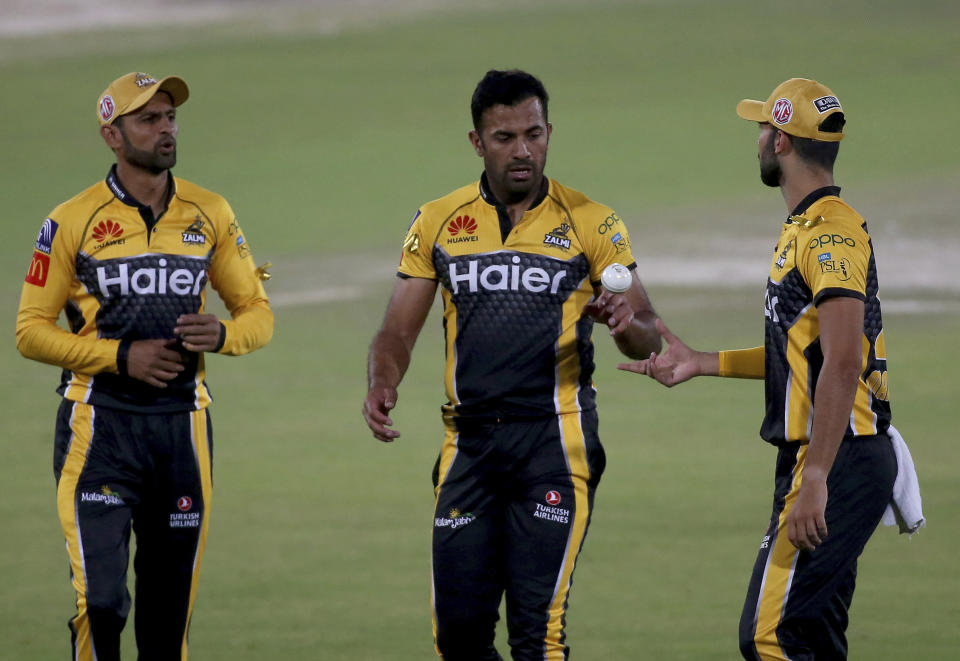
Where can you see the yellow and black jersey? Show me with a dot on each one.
(121, 275)
(517, 345)
(824, 251)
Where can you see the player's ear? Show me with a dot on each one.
(111, 135)
(476, 141)
(782, 143)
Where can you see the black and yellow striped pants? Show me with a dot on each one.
(798, 601)
(117, 471)
(513, 503)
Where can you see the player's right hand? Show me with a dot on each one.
(154, 361)
(675, 365)
(376, 406)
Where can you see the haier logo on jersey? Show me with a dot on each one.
(118, 280)
(465, 225)
(503, 277)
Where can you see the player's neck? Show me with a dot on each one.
(516, 208)
(800, 181)
(148, 188)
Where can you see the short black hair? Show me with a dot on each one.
(821, 152)
(506, 88)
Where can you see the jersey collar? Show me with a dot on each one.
(492, 200)
(808, 201)
(122, 194)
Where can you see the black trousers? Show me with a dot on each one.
(797, 602)
(117, 471)
(512, 510)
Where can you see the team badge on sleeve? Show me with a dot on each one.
(40, 264)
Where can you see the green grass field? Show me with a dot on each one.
(326, 140)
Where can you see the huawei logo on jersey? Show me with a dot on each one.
(462, 224)
(106, 229)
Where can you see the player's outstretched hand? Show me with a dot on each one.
(611, 309)
(154, 361)
(376, 408)
(677, 364)
(198, 332)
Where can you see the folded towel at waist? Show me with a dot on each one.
(905, 509)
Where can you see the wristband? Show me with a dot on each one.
(123, 352)
(223, 338)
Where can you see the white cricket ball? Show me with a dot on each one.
(616, 278)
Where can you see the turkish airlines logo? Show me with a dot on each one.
(462, 224)
(553, 497)
(106, 229)
(782, 111)
(107, 108)
(184, 503)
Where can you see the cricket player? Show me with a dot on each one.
(824, 363)
(518, 258)
(128, 262)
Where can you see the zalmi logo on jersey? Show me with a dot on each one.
(558, 237)
(194, 234)
(782, 259)
(465, 225)
(107, 233)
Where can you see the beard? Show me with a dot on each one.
(516, 191)
(770, 172)
(152, 161)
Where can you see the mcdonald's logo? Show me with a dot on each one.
(39, 267)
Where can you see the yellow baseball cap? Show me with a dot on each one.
(127, 93)
(797, 106)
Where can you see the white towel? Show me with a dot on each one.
(905, 509)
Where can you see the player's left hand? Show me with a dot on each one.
(611, 309)
(806, 523)
(198, 332)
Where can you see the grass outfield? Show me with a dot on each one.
(325, 144)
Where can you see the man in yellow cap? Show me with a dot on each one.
(128, 260)
(824, 364)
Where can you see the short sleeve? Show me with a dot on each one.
(605, 241)
(416, 258)
(834, 261)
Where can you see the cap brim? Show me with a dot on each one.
(176, 87)
(751, 110)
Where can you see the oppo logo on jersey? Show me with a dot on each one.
(119, 281)
(503, 277)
